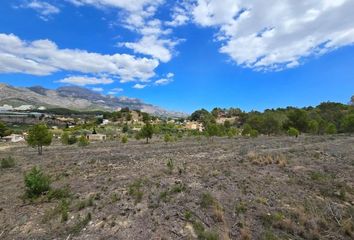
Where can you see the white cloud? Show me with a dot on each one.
(43, 8)
(273, 35)
(139, 16)
(115, 91)
(180, 14)
(164, 81)
(97, 89)
(153, 46)
(43, 57)
(170, 75)
(139, 86)
(85, 80)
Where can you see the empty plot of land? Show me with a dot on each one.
(240, 188)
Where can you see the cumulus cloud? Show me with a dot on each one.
(273, 35)
(85, 80)
(139, 86)
(43, 8)
(139, 16)
(43, 57)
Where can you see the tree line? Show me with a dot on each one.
(326, 118)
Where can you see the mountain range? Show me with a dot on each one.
(74, 98)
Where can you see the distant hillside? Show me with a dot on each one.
(74, 98)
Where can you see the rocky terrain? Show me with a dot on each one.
(72, 97)
(195, 188)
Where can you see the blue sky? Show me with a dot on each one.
(184, 55)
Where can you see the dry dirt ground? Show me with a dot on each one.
(195, 188)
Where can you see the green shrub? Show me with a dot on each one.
(254, 133)
(246, 131)
(135, 190)
(36, 183)
(59, 193)
(293, 132)
(207, 200)
(347, 124)
(331, 129)
(72, 140)
(83, 141)
(168, 138)
(125, 139)
(8, 162)
(64, 138)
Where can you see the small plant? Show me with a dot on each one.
(269, 219)
(76, 229)
(36, 183)
(168, 138)
(59, 193)
(115, 197)
(135, 190)
(207, 200)
(318, 176)
(85, 203)
(240, 207)
(202, 233)
(188, 215)
(170, 165)
(125, 139)
(8, 162)
(64, 210)
(83, 141)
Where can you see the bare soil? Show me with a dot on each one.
(240, 188)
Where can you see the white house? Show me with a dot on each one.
(14, 138)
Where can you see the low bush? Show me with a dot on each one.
(125, 139)
(8, 162)
(83, 141)
(135, 190)
(36, 183)
(293, 132)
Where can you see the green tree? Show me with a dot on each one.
(298, 119)
(147, 132)
(39, 136)
(331, 129)
(125, 128)
(270, 124)
(212, 129)
(3, 130)
(347, 124)
(313, 127)
(146, 117)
